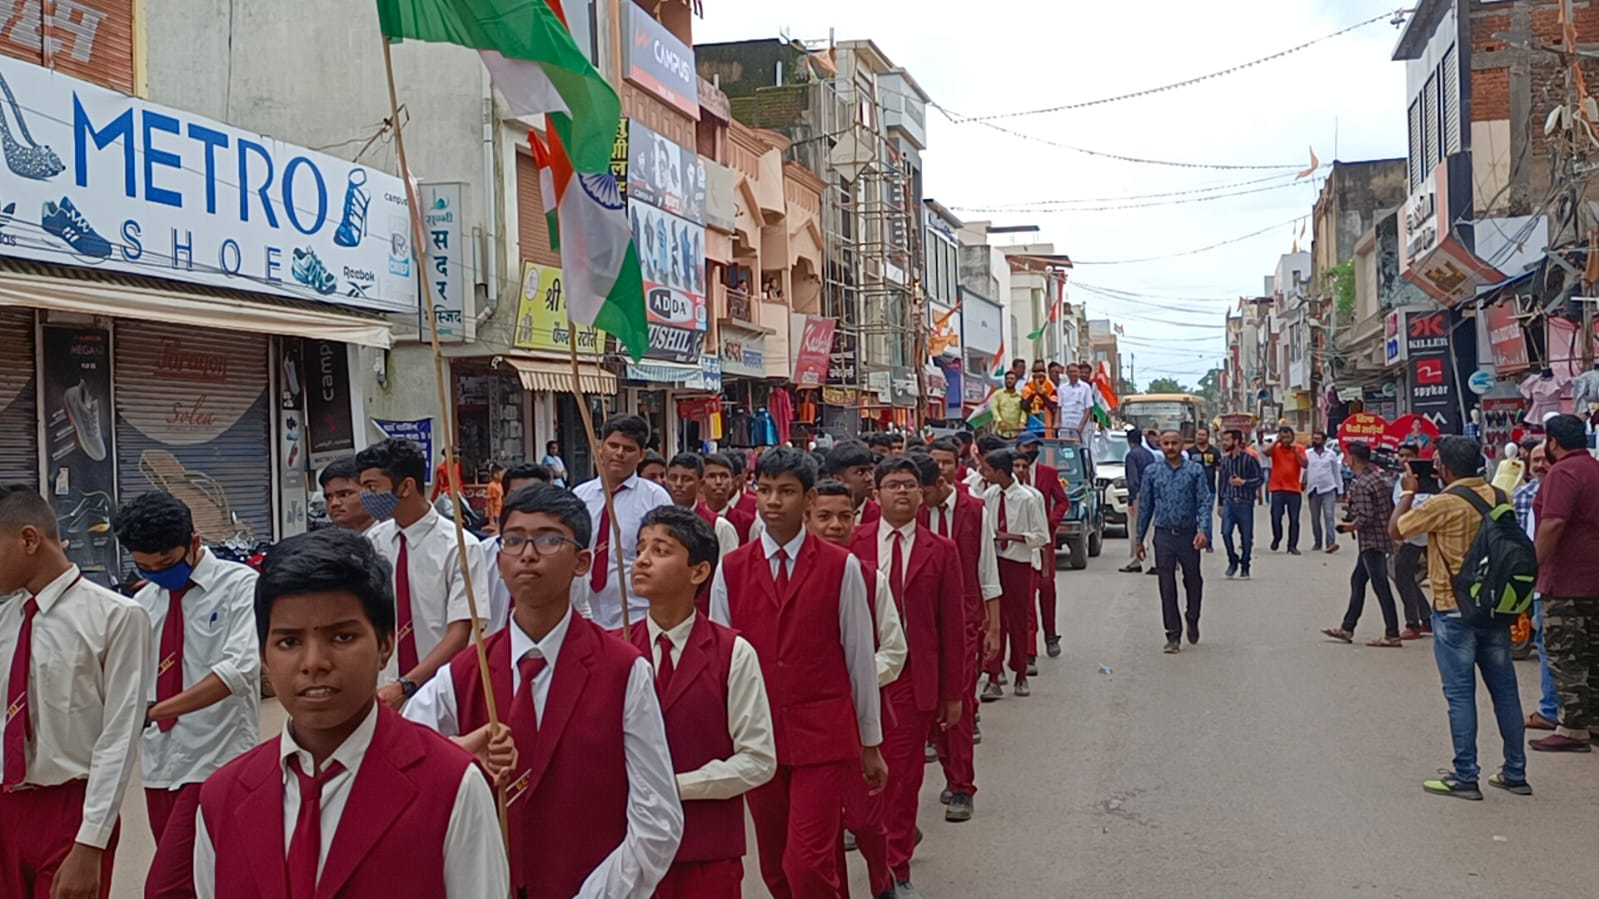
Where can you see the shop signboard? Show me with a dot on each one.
(1506, 339)
(1415, 428)
(330, 430)
(103, 179)
(80, 458)
(416, 430)
(444, 268)
(1430, 255)
(541, 322)
(812, 357)
(1427, 349)
(708, 378)
(665, 175)
(619, 151)
(1393, 344)
(1362, 427)
(843, 367)
(743, 353)
(677, 323)
(671, 249)
(902, 387)
(660, 63)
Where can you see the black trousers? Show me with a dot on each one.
(1175, 548)
(1371, 566)
(1407, 563)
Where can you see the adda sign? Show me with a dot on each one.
(98, 178)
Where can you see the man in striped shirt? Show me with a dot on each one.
(1238, 480)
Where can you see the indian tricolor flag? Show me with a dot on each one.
(996, 371)
(983, 414)
(1105, 400)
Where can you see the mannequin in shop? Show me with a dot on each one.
(1542, 392)
(1585, 390)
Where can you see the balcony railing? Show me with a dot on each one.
(739, 306)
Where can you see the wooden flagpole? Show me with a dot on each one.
(417, 232)
(614, 539)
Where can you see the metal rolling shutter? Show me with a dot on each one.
(532, 228)
(19, 400)
(1451, 102)
(193, 418)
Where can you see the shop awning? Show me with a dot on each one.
(89, 292)
(556, 377)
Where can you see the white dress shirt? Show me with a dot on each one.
(726, 535)
(854, 628)
(654, 813)
(632, 502)
(885, 547)
(499, 593)
(474, 855)
(1024, 515)
(987, 566)
(1323, 471)
(1415, 503)
(749, 722)
(1075, 400)
(88, 674)
(438, 591)
(891, 648)
(219, 638)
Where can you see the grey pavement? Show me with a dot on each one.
(1264, 762)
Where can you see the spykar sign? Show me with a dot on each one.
(1431, 257)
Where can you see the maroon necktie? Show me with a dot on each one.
(19, 724)
(896, 571)
(405, 632)
(943, 521)
(782, 573)
(524, 711)
(305, 847)
(1003, 524)
(665, 670)
(602, 546)
(169, 670)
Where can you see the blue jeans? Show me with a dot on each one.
(1459, 649)
(1548, 697)
(1242, 516)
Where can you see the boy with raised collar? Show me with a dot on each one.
(75, 663)
(352, 800)
(718, 723)
(923, 573)
(205, 706)
(801, 602)
(594, 810)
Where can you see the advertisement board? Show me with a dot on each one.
(81, 467)
(1362, 427)
(331, 432)
(677, 323)
(105, 180)
(541, 322)
(416, 430)
(1393, 343)
(665, 175)
(444, 265)
(1505, 338)
(815, 346)
(671, 249)
(843, 368)
(660, 63)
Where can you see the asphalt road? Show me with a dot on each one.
(1264, 762)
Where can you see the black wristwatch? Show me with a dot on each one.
(408, 687)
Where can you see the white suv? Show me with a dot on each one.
(1108, 451)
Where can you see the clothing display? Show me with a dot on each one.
(781, 406)
(1585, 390)
(1543, 393)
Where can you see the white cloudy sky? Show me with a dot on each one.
(1042, 53)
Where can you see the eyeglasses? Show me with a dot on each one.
(543, 544)
(900, 486)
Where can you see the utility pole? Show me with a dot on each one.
(1577, 112)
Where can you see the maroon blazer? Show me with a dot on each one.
(932, 611)
(742, 519)
(1056, 502)
(870, 512)
(967, 532)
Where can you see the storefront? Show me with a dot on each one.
(19, 437)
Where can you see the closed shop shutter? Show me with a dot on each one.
(532, 228)
(19, 400)
(1451, 102)
(89, 39)
(193, 419)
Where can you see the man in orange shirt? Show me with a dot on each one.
(1287, 487)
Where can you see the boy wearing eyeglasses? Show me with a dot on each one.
(593, 807)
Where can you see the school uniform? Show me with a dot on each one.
(1046, 480)
(803, 606)
(499, 601)
(1017, 509)
(594, 810)
(397, 811)
(719, 728)
(75, 663)
(742, 518)
(598, 594)
(963, 519)
(869, 512)
(726, 541)
(429, 590)
(923, 571)
(204, 629)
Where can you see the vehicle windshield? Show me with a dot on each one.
(1110, 449)
(1069, 460)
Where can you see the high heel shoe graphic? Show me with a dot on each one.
(353, 225)
(32, 161)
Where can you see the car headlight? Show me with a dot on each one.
(1119, 483)
(1102, 482)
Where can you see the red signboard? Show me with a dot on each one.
(1415, 429)
(1505, 337)
(815, 351)
(1362, 427)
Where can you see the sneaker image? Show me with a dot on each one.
(83, 410)
(310, 271)
(66, 222)
(352, 225)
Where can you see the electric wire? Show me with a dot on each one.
(1048, 207)
(1193, 252)
(1149, 196)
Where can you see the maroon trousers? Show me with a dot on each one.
(798, 815)
(955, 745)
(905, 751)
(720, 879)
(37, 830)
(863, 816)
(172, 821)
(1018, 580)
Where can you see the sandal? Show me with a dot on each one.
(1387, 642)
(1339, 634)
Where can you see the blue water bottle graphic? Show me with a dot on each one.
(353, 225)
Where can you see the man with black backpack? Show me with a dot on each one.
(1476, 571)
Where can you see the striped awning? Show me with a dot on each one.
(556, 377)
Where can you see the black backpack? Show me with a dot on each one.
(1497, 577)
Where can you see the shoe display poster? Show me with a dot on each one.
(102, 179)
(80, 466)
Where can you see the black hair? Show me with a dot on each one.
(988, 443)
(1566, 432)
(736, 463)
(820, 458)
(651, 457)
(914, 442)
(153, 523)
(551, 500)
(847, 455)
(1285, 429)
(946, 444)
(322, 561)
(927, 470)
(631, 426)
(1003, 460)
(1411, 446)
(689, 529)
(780, 460)
(719, 459)
(689, 460)
(1234, 433)
(966, 438)
(1359, 449)
(894, 464)
(1135, 437)
(528, 471)
(1462, 456)
(1528, 444)
(879, 438)
(397, 458)
(832, 487)
(22, 506)
(339, 470)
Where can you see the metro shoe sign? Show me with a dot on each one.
(102, 179)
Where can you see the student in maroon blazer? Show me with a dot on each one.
(854, 464)
(802, 604)
(720, 491)
(1046, 480)
(924, 576)
(718, 723)
(370, 800)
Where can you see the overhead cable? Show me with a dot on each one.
(1056, 205)
(1194, 252)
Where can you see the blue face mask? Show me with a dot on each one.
(380, 506)
(172, 577)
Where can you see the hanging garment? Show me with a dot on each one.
(1543, 396)
(1585, 390)
(781, 405)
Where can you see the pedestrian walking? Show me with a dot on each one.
(1138, 460)
(623, 439)
(1567, 509)
(1175, 498)
(1287, 486)
(1324, 483)
(553, 461)
(1016, 513)
(1407, 561)
(1238, 481)
(1370, 506)
(341, 495)
(1046, 480)
(1209, 458)
(1460, 648)
(1547, 715)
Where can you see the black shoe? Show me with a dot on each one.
(1052, 647)
(1131, 568)
(886, 894)
(1032, 666)
(1193, 632)
(1275, 545)
(1173, 647)
(945, 796)
(1232, 571)
(1152, 571)
(1518, 787)
(960, 808)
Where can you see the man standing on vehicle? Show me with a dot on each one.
(1138, 459)
(1009, 417)
(1076, 406)
(1324, 481)
(1175, 497)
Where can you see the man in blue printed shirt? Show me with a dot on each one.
(1175, 496)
